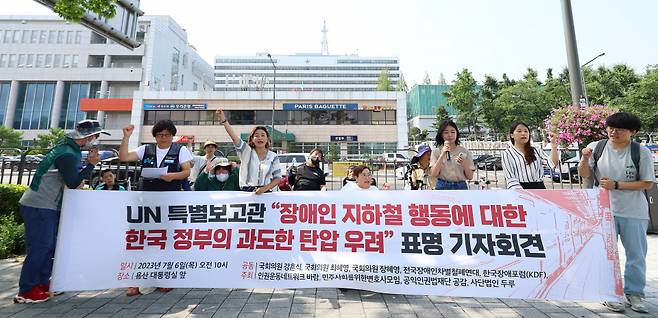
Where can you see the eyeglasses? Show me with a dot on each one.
(163, 135)
(366, 174)
(611, 129)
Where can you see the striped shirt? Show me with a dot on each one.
(517, 170)
(253, 171)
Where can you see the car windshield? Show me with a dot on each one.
(289, 159)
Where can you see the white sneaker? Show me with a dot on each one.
(146, 290)
(614, 306)
(636, 303)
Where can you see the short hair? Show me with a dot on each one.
(104, 171)
(438, 140)
(163, 125)
(624, 120)
(229, 168)
(359, 169)
(253, 132)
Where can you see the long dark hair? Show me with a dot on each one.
(528, 150)
(438, 141)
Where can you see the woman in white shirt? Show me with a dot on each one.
(522, 163)
(363, 180)
(260, 170)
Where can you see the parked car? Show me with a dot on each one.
(492, 163)
(288, 160)
(479, 158)
(394, 158)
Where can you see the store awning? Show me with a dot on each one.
(278, 135)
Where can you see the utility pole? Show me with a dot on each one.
(572, 53)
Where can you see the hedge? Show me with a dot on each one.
(9, 196)
(12, 240)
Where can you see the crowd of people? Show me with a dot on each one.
(617, 164)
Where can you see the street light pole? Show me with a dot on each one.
(575, 77)
(582, 76)
(273, 95)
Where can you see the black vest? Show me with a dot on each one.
(170, 161)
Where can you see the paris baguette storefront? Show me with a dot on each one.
(361, 123)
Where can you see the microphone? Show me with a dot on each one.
(445, 143)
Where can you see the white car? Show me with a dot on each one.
(288, 160)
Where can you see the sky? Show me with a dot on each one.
(434, 36)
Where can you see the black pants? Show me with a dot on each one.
(533, 185)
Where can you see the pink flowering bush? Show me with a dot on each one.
(580, 125)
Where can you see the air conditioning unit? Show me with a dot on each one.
(20, 65)
(28, 65)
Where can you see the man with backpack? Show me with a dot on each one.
(626, 169)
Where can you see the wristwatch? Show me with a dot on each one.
(616, 185)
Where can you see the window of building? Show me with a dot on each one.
(3, 60)
(30, 60)
(35, 102)
(57, 60)
(52, 37)
(97, 38)
(22, 60)
(192, 117)
(60, 37)
(49, 60)
(178, 117)
(67, 61)
(13, 60)
(75, 61)
(26, 36)
(69, 37)
(4, 98)
(40, 60)
(43, 37)
(78, 37)
(17, 36)
(8, 36)
(71, 113)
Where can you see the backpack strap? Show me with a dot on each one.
(635, 156)
(598, 151)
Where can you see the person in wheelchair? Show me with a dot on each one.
(109, 181)
(417, 172)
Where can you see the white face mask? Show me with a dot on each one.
(222, 177)
(91, 144)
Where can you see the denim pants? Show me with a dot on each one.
(40, 238)
(450, 185)
(633, 234)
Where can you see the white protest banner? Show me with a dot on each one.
(538, 244)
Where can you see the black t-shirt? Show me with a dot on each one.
(308, 178)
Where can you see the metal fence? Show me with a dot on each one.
(17, 167)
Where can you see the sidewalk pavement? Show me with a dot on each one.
(302, 303)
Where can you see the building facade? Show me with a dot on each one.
(422, 104)
(54, 73)
(361, 124)
(303, 72)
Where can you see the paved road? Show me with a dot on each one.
(323, 303)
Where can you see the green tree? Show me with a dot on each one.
(45, 142)
(74, 10)
(441, 115)
(384, 84)
(416, 134)
(426, 79)
(642, 100)
(489, 111)
(609, 85)
(334, 153)
(10, 138)
(464, 95)
(556, 93)
(402, 84)
(524, 101)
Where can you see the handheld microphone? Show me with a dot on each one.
(445, 143)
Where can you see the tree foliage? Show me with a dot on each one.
(383, 83)
(642, 100)
(441, 115)
(45, 142)
(464, 96)
(10, 138)
(426, 79)
(402, 84)
(74, 10)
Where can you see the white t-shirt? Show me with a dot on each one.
(617, 164)
(352, 186)
(184, 155)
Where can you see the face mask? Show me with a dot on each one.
(315, 162)
(91, 144)
(222, 177)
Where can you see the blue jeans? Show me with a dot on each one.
(633, 234)
(40, 238)
(450, 185)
